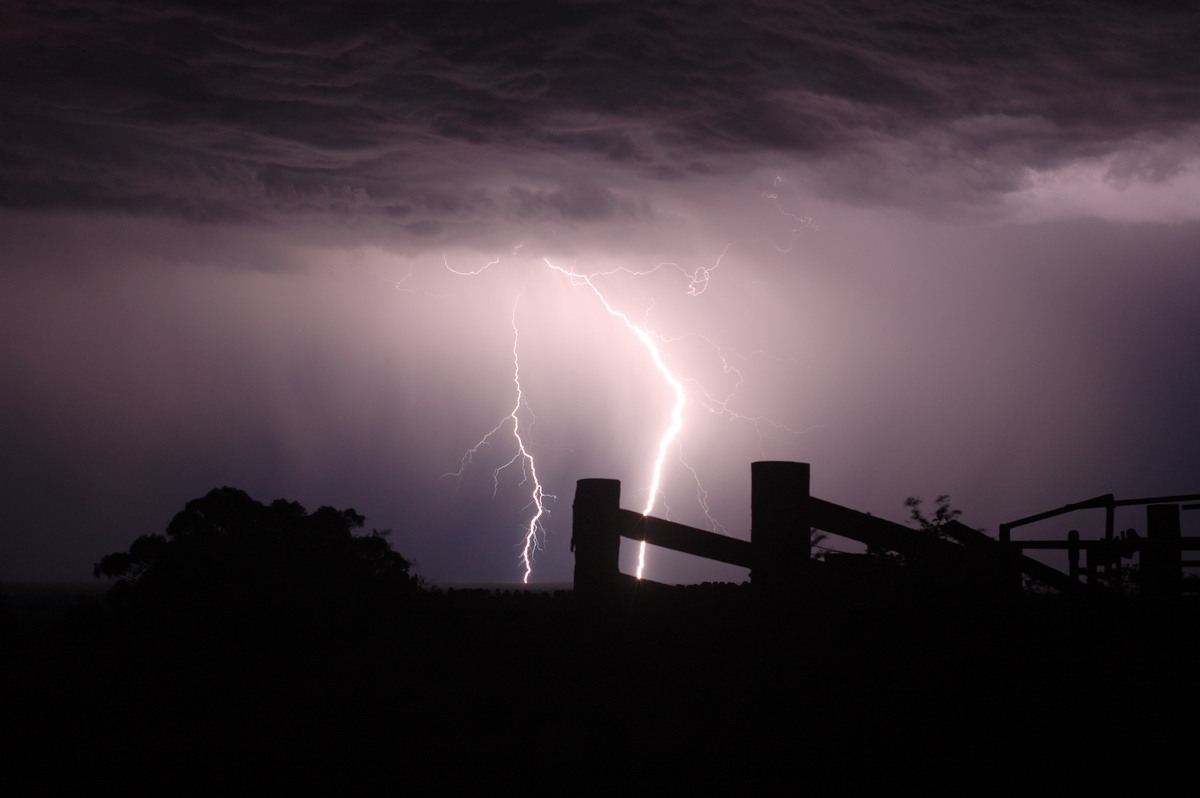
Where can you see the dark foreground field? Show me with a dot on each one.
(495, 691)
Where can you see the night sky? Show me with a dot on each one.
(930, 248)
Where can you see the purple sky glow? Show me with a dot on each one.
(954, 248)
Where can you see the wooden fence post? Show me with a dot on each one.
(596, 540)
(1073, 554)
(779, 525)
(1162, 557)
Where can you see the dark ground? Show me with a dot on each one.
(493, 691)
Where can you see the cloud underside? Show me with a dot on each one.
(437, 122)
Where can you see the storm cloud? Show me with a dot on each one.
(429, 114)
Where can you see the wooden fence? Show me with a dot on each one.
(783, 515)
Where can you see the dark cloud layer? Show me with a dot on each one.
(429, 113)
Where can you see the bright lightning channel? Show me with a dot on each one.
(539, 498)
(671, 433)
(537, 493)
(699, 282)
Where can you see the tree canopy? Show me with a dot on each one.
(942, 514)
(231, 561)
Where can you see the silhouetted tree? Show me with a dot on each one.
(934, 524)
(228, 562)
(943, 514)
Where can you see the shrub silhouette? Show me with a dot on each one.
(228, 563)
(936, 523)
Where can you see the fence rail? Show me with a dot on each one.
(783, 515)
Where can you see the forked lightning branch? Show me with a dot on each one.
(517, 421)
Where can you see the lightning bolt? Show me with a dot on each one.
(538, 497)
(537, 494)
(698, 282)
(671, 433)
